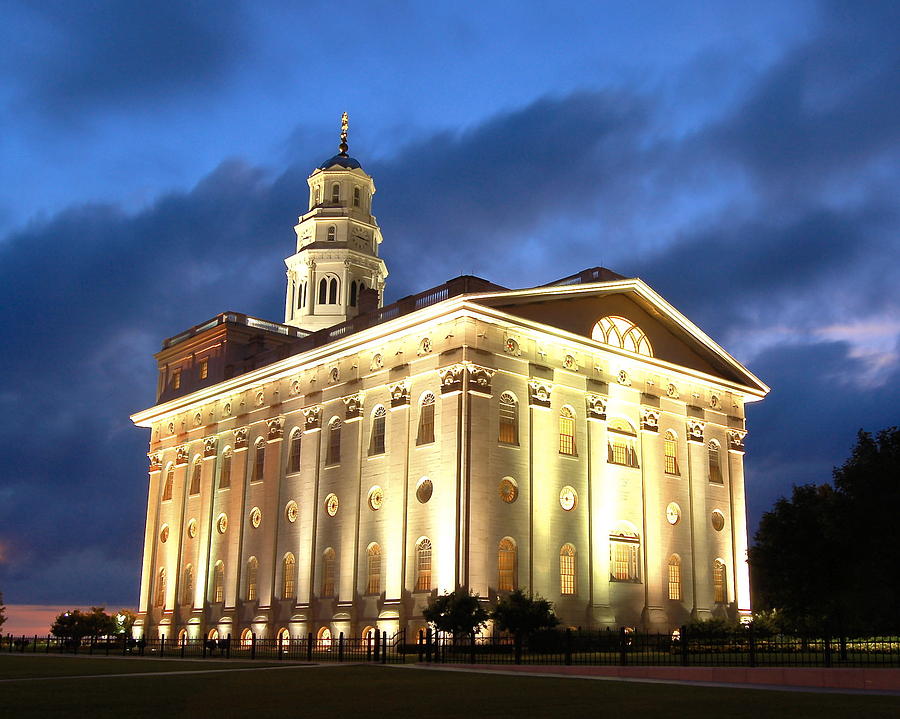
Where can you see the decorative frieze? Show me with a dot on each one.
(539, 393)
(649, 420)
(596, 406)
(241, 438)
(181, 454)
(480, 380)
(210, 445)
(295, 387)
(399, 394)
(155, 461)
(312, 418)
(275, 428)
(736, 441)
(452, 378)
(353, 406)
(695, 430)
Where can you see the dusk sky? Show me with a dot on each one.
(741, 158)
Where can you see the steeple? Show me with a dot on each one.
(336, 254)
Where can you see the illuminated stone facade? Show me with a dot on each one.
(583, 440)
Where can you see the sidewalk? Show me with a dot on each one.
(804, 679)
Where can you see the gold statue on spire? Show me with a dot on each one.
(345, 123)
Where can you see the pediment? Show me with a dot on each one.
(671, 336)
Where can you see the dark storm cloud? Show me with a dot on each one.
(78, 56)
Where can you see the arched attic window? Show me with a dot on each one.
(623, 333)
(335, 192)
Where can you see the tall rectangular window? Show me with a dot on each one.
(567, 431)
(333, 454)
(204, 368)
(294, 458)
(670, 448)
(567, 569)
(506, 562)
(376, 445)
(426, 420)
(196, 471)
(373, 584)
(225, 476)
(423, 565)
(259, 462)
(509, 419)
(624, 560)
(715, 469)
(328, 573)
(674, 578)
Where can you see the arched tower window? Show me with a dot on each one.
(670, 449)
(328, 573)
(715, 468)
(259, 461)
(288, 570)
(187, 586)
(356, 197)
(335, 192)
(623, 333)
(507, 559)
(567, 569)
(294, 451)
(161, 588)
(720, 594)
(509, 419)
(317, 196)
(225, 475)
(196, 471)
(333, 455)
(674, 577)
(169, 485)
(353, 293)
(621, 439)
(426, 419)
(252, 572)
(567, 431)
(303, 294)
(333, 291)
(376, 443)
(218, 589)
(373, 557)
(332, 233)
(323, 291)
(423, 565)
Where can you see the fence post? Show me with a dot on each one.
(827, 649)
(568, 659)
(843, 647)
(472, 652)
(48, 645)
(384, 647)
(428, 645)
(228, 647)
(518, 647)
(752, 646)
(253, 645)
(204, 647)
(183, 644)
(341, 647)
(375, 644)
(684, 645)
(90, 651)
(623, 648)
(309, 645)
(162, 644)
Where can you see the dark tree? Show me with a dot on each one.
(77, 624)
(826, 559)
(2, 612)
(522, 614)
(458, 612)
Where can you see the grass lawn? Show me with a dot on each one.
(24, 666)
(343, 691)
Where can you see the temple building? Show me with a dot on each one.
(582, 439)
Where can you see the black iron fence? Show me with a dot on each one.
(374, 648)
(683, 647)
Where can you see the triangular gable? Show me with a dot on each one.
(577, 308)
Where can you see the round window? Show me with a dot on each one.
(509, 490)
(673, 513)
(331, 504)
(568, 498)
(164, 533)
(222, 523)
(192, 528)
(292, 511)
(255, 517)
(424, 490)
(718, 520)
(376, 498)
